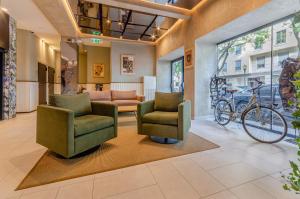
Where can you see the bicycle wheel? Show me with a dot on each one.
(222, 112)
(264, 124)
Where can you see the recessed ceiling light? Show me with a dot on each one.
(120, 23)
(153, 36)
(157, 28)
(108, 21)
(4, 9)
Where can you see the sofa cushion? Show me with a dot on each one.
(100, 95)
(159, 117)
(90, 123)
(123, 95)
(167, 101)
(126, 102)
(80, 104)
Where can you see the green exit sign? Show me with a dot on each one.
(96, 40)
(96, 32)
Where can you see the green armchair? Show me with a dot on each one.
(168, 116)
(72, 124)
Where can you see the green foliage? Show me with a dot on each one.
(293, 178)
(257, 39)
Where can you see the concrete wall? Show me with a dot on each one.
(144, 61)
(163, 77)
(206, 17)
(98, 55)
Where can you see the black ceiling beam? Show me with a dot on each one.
(148, 27)
(100, 13)
(125, 25)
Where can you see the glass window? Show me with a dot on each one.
(238, 49)
(281, 37)
(238, 65)
(261, 61)
(177, 75)
(224, 69)
(282, 56)
(249, 64)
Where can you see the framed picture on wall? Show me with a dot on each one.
(127, 65)
(98, 70)
(188, 58)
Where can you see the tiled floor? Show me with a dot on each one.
(240, 169)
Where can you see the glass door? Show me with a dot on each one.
(177, 70)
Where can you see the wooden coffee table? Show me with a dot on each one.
(124, 109)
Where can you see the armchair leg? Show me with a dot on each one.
(163, 140)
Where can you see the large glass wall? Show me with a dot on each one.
(270, 54)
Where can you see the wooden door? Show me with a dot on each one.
(42, 78)
(51, 72)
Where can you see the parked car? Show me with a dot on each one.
(264, 96)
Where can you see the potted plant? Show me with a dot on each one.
(293, 178)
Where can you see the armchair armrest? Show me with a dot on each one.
(106, 109)
(184, 118)
(140, 98)
(55, 129)
(142, 109)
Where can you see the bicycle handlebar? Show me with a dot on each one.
(260, 83)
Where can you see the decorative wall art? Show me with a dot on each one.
(188, 58)
(98, 70)
(127, 65)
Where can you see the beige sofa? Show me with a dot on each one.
(120, 98)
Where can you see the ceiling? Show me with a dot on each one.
(32, 19)
(187, 4)
(111, 21)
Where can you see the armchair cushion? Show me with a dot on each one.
(167, 101)
(90, 123)
(164, 118)
(79, 104)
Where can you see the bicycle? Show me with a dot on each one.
(262, 123)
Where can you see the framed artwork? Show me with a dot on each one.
(127, 65)
(188, 58)
(98, 70)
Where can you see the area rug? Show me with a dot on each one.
(127, 149)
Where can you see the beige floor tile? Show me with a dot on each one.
(236, 174)
(151, 192)
(250, 191)
(76, 191)
(171, 183)
(49, 194)
(126, 181)
(222, 195)
(201, 180)
(274, 187)
(224, 157)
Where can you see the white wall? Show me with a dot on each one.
(144, 61)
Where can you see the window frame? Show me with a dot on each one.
(279, 37)
(235, 65)
(258, 65)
